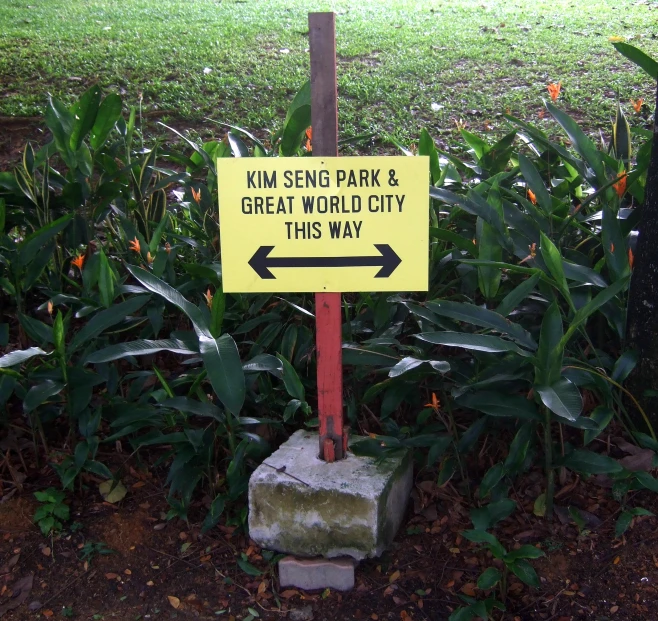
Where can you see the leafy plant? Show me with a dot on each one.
(52, 511)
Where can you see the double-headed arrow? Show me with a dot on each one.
(261, 262)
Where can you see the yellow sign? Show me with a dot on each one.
(324, 224)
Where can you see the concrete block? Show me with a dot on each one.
(301, 505)
(317, 573)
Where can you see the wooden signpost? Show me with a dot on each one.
(326, 225)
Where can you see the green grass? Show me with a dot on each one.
(472, 59)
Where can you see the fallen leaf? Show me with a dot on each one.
(394, 576)
(287, 594)
(127, 572)
(138, 484)
(614, 609)
(469, 589)
(205, 559)
(45, 551)
(20, 590)
(112, 491)
(48, 613)
(174, 601)
(261, 587)
(150, 583)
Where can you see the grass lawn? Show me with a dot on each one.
(403, 64)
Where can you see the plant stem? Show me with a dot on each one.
(548, 453)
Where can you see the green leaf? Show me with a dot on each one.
(623, 522)
(624, 365)
(550, 353)
(479, 316)
(427, 147)
(40, 393)
(409, 363)
(197, 408)
(597, 302)
(637, 56)
(481, 536)
(588, 462)
(553, 260)
(18, 357)
(621, 136)
(58, 335)
(455, 239)
(517, 295)
(489, 249)
(108, 115)
(139, 348)
(525, 572)
(32, 245)
(291, 380)
(601, 415)
(298, 120)
(489, 515)
(581, 143)
(60, 122)
(492, 477)
(526, 551)
(535, 183)
(489, 578)
(519, 448)
(477, 342)
(84, 113)
(221, 360)
(105, 280)
(248, 568)
(161, 288)
(499, 404)
(217, 311)
(562, 398)
(212, 518)
(647, 481)
(106, 319)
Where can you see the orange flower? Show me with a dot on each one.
(637, 105)
(533, 253)
(435, 404)
(542, 113)
(620, 186)
(149, 258)
(196, 195)
(79, 261)
(612, 247)
(309, 138)
(631, 258)
(134, 246)
(532, 197)
(208, 297)
(554, 90)
(50, 305)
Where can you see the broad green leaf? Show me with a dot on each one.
(526, 551)
(479, 316)
(457, 240)
(553, 260)
(519, 448)
(489, 578)
(637, 56)
(482, 536)
(197, 408)
(409, 363)
(298, 120)
(489, 249)
(597, 302)
(489, 515)
(647, 481)
(212, 518)
(500, 404)
(601, 415)
(60, 122)
(221, 360)
(562, 398)
(291, 380)
(550, 353)
(139, 348)
(217, 312)
(32, 245)
(58, 335)
(477, 342)
(17, 357)
(621, 136)
(581, 143)
(491, 478)
(427, 147)
(588, 462)
(525, 572)
(40, 393)
(248, 568)
(517, 295)
(105, 280)
(106, 319)
(623, 522)
(108, 115)
(154, 284)
(112, 491)
(624, 365)
(535, 183)
(84, 113)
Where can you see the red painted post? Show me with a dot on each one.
(324, 120)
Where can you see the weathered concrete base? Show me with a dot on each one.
(301, 505)
(317, 573)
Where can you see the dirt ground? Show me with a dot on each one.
(151, 568)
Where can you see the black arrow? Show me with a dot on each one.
(261, 262)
